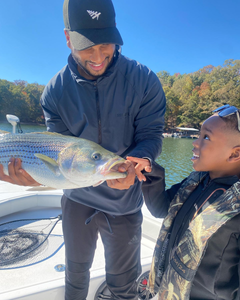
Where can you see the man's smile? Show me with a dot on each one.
(97, 67)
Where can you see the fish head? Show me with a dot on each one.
(87, 163)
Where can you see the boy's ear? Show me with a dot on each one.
(235, 155)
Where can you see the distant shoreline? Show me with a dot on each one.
(24, 123)
(37, 124)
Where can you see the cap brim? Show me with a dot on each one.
(85, 38)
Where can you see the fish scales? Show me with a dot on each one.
(25, 146)
(57, 160)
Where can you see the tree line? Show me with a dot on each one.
(22, 99)
(190, 97)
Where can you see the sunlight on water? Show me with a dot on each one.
(176, 159)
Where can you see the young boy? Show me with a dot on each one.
(197, 255)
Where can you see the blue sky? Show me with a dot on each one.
(172, 35)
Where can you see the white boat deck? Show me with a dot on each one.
(41, 280)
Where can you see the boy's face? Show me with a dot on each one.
(213, 148)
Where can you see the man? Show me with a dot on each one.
(117, 102)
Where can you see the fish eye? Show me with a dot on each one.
(96, 156)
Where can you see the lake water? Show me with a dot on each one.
(25, 128)
(175, 157)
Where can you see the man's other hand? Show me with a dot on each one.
(16, 174)
(123, 183)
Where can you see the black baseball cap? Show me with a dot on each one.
(90, 23)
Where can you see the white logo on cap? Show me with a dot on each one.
(94, 14)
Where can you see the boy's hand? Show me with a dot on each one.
(140, 165)
(16, 174)
(123, 183)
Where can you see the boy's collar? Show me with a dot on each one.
(228, 180)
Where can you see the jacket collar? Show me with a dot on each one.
(227, 180)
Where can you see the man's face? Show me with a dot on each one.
(94, 61)
(213, 148)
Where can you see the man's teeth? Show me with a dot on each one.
(195, 155)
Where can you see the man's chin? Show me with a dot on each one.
(91, 73)
(96, 73)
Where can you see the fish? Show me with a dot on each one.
(60, 161)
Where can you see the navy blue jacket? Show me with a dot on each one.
(123, 107)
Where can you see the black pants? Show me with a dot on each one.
(122, 250)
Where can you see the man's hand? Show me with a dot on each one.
(140, 165)
(16, 174)
(123, 183)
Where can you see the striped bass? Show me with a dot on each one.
(60, 161)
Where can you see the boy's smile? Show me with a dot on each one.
(213, 148)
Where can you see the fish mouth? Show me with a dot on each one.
(109, 166)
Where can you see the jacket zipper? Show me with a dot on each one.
(176, 241)
(98, 114)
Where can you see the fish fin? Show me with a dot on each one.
(98, 183)
(3, 132)
(49, 162)
(45, 133)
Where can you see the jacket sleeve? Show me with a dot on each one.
(53, 121)
(149, 122)
(156, 197)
